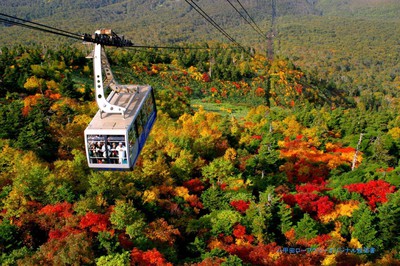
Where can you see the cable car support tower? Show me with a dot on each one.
(272, 32)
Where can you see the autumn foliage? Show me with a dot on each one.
(264, 169)
(146, 258)
(95, 222)
(310, 202)
(374, 191)
(59, 210)
(160, 231)
(240, 205)
(307, 163)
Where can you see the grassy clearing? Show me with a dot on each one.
(236, 110)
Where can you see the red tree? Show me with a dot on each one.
(148, 258)
(311, 203)
(194, 185)
(240, 205)
(60, 210)
(96, 222)
(374, 191)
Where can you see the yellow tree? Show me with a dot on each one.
(34, 84)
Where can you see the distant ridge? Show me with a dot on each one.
(345, 41)
(169, 21)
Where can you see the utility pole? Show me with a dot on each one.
(272, 32)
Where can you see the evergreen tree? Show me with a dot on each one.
(389, 217)
(11, 119)
(67, 88)
(35, 135)
(9, 238)
(262, 217)
(364, 229)
(214, 199)
(285, 214)
(306, 228)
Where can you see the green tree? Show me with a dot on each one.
(107, 185)
(306, 228)
(232, 260)
(35, 134)
(223, 221)
(219, 171)
(285, 215)
(11, 119)
(388, 217)
(108, 242)
(9, 236)
(9, 259)
(263, 166)
(183, 166)
(215, 199)
(126, 217)
(30, 180)
(117, 259)
(262, 217)
(365, 228)
(67, 87)
(380, 150)
(69, 178)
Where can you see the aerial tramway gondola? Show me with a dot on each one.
(120, 128)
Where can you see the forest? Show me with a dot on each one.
(250, 162)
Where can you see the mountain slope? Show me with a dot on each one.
(352, 42)
(169, 21)
(159, 19)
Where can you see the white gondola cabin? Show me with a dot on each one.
(118, 131)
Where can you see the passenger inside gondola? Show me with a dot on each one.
(121, 153)
(105, 151)
(92, 149)
(114, 153)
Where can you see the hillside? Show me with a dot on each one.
(378, 9)
(352, 43)
(169, 21)
(161, 21)
(294, 177)
(251, 161)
